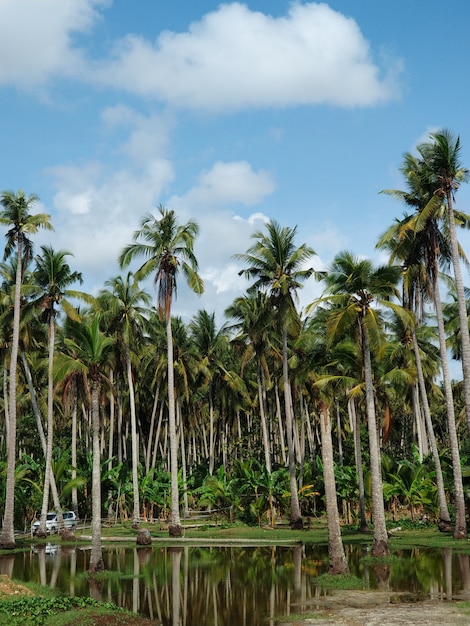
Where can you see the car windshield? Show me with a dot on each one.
(51, 516)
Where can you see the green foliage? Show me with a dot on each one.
(35, 611)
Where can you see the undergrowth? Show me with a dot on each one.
(35, 611)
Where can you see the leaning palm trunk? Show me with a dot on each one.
(7, 538)
(460, 529)
(37, 415)
(295, 514)
(444, 521)
(462, 307)
(96, 558)
(380, 545)
(337, 558)
(174, 528)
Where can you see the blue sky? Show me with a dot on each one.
(230, 114)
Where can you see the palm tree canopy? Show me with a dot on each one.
(168, 247)
(445, 161)
(16, 214)
(88, 349)
(277, 266)
(353, 286)
(54, 276)
(124, 306)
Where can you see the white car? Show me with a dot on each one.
(52, 522)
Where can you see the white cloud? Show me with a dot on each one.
(226, 184)
(235, 58)
(36, 38)
(232, 58)
(149, 136)
(97, 211)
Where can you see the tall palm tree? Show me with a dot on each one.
(279, 268)
(53, 277)
(168, 248)
(443, 159)
(16, 214)
(431, 249)
(353, 286)
(124, 309)
(88, 351)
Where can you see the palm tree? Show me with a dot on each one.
(168, 248)
(353, 286)
(124, 314)
(53, 276)
(279, 268)
(88, 353)
(443, 159)
(431, 250)
(16, 214)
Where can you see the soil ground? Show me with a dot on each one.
(357, 608)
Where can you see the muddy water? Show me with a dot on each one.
(232, 586)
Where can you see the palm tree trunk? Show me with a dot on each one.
(419, 425)
(157, 435)
(380, 545)
(183, 461)
(50, 427)
(96, 558)
(7, 538)
(262, 414)
(211, 434)
(37, 415)
(281, 427)
(5, 400)
(444, 521)
(148, 451)
(174, 527)
(460, 529)
(295, 513)
(110, 438)
(462, 306)
(337, 558)
(74, 447)
(135, 451)
(356, 427)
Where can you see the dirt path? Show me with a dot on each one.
(381, 609)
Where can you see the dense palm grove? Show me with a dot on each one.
(116, 408)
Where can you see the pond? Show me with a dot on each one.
(231, 585)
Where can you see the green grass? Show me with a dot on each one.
(339, 581)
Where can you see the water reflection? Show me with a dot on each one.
(227, 586)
